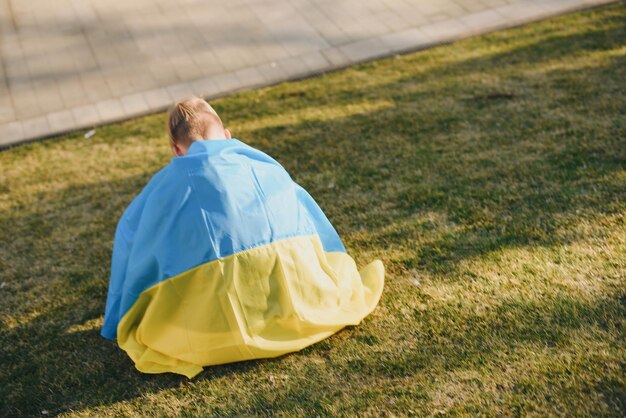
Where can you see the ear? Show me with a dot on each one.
(227, 133)
(177, 151)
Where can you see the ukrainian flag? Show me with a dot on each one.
(222, 257)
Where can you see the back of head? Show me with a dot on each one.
(192, 120)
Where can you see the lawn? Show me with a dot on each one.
(488, 175)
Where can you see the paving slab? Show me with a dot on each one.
(75, 64)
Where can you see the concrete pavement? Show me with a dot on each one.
(73, 64)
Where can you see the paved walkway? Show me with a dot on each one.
(70, 64)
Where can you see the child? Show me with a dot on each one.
(222, 257)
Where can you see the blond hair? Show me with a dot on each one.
(188, 119)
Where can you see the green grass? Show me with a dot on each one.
(488, 175)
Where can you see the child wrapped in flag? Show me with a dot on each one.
(222, 257)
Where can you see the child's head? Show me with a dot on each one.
(193, 120)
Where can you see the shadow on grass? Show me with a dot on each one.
(504, 169)
(501, 170)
